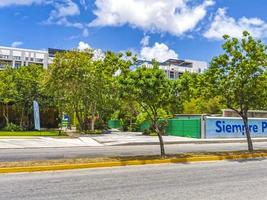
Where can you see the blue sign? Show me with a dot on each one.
(36, 115)
(66, 117)
(233, 127)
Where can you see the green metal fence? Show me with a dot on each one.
(184, 127)
(114, 123)
(145, 125)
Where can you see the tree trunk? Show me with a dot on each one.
(162, 149)
(131, 123)
(81, 123)
(161, 143)
(21, 117)
(93, 118)
(5, 113)
(28, 118)
(93, 123)
(247, 131)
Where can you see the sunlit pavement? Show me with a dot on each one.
(200, 181)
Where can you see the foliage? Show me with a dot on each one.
(188, 86)
(203, 106)
(12, 127)
(18, 88)
(29, 133)
(28, 81)
(94, 132)
(151, 89)
(8, 90)
(149, 132)
(239, 76)
(85, 86)
(141, 117)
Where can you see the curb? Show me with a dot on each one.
(187, 142)
(132, 162)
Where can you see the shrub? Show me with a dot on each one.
(149, 132)
(93, 132)
(146, 132)
(12, 127)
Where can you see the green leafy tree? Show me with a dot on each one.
(152, 90)
(84, 86)
(201, 105)
(8, 91)
(28, 83)
(239, 76)
(106, 85)
(68, 81)
(188, 86)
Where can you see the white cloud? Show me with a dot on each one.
(145, 40)
(173, 16)
(223, 24)
(60, 14)
(84, 4)
(62, 10)
(98, 53)
(4, 3)
(16, 44)
(65, 22)
(159, 51)
(82, 46)
(65, 9)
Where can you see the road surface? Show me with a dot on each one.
(199, 181)
(78, 152)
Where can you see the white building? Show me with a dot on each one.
(16, 57)
(174, 68)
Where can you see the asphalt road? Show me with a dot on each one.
(246, 180)
(79, 152)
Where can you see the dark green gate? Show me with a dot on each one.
(184, 127)
(114, 123)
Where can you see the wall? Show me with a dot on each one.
(232, 127)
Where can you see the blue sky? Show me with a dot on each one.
(161, 29)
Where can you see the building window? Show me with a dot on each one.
(39, 60)
(171, 74)
(17, 57)
(4, 56)
(17, 64)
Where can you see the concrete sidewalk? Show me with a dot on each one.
(44, 142)
(113, 139)
(136, 138)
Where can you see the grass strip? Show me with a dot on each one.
(64, 164)
(29, 133)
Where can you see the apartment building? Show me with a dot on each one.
(174, 68)
(16, 57)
